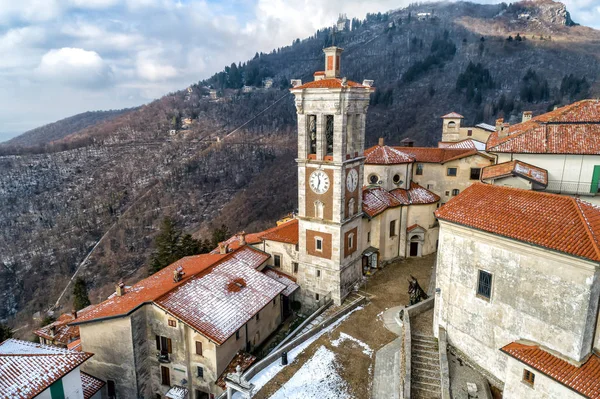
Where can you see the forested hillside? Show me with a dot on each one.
(205, 162)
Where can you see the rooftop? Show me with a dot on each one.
(63, 333)
(28, 369)
(332, 83)
(552, 221)
(584, 379)
(572, 129)
(286, 232)
(453, 115)
(516, 168)
(288, 281)
(376, 200)
(384, 155)
(467, 144)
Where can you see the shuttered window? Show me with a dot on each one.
(198, 348)
(165, 376)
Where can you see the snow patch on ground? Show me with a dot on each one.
(345, 337)
(265, 375)
(317, 378)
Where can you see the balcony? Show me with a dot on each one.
(570, 187)
(163, 357)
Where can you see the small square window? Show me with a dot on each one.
(295, 265)
(200, 372)
(319, 244)
(451, 172)
(419, 170)
(274, 301)
(318, 273)
(172, 323)
(277, 260)
(198, 348)
(393, 228)
(317, 297)
(528, 377)
(429, 186)
(447, 193)
(350, 241)
(469, 132)
(475, 173)
(484, 285)
(456, 191)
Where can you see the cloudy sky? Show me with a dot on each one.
(62, 57)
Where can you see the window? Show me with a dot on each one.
(318, 273)
(198, 348)
(201, 395)
(469, 132)
(112, 391)
(456, 191)
(451, 125)
(199, 372)
(312, 134)
(329, 133)
(429, 186)
(317, 297)
(172, 323)
(277, 260)
(165, 376)
(475, 173)
(257, 316)
(484, 285)
(393, 228)
(297, 247)
(163, 344)
(274, 301)
(350, 241)
(419, 170)
(295, 265)
(318, 243)
(319, 209)
(447, 193)
(451, 172)
(528, 377)
(397, 179)
(350, 207)
(368, 236)
(373, 179)
(237, 335)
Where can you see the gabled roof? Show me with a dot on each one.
(220, 300)
(453, 115)
(90, 385)
(63, 332)
(516, 168)
(439, 155)
(467, 144)
(288, 281)
(27, 368)
(584, 379)
(573, 129)
(286, 232)
(414, 227)
(552, 221)
(376, 199)
(384, 155)
(150, 288)
(331, 83)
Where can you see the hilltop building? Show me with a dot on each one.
(556, 152)
(59, 332)
(343, 23)
(30, 370)
(183, 328)
(518, 289)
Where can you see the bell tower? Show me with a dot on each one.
(331, 139)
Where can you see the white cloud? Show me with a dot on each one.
(74, 66)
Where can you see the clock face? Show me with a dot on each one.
(319, 182)
(352, 180)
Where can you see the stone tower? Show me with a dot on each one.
(331, 138)
(451, 126)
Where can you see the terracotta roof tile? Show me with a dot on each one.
(221, 300)
(584, 379)
(63, 332)
(243, 359)
(377, 199)
(467, 144)
(516, 168)
(437, 155)
(27, 368)
(279, 276)
(452, 115)
(150, 288)
(286, 232)
(384, 155)
(573, 129)
(90, 385)
(332, 83)
(551, 221)
(413, 227)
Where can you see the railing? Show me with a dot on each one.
(569, 187)
(163, 357)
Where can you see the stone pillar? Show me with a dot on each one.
(302, 137)
(321, 139)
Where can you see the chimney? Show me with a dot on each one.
(332, 62)
(222, 248)
(381, 141)
(178, 274)
(242, 238)
(52, 331)
(74, 314)
(527, 115)
(120, 289)
(296, 82)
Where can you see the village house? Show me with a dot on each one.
(184, 327)
(518, 289)
(31, 370)
(59, 332)
(555, 152)
(453, 132)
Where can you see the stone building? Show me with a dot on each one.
(453, 132)
(60, 332)
(30, 370)
(184, 327)
(518, 289)
(557, 152)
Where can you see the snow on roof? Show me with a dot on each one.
(63, 333)
(467, 144)
(487, 127)
(288, 281)
(453, 115)
(516, 168)
(222, 299)
(573, 129)
(242, 359)
(90, 385)
(384, 155)
(552, 221)
(28, 368)
(377, 199)
(177, 392)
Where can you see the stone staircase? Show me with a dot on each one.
(425, 368)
